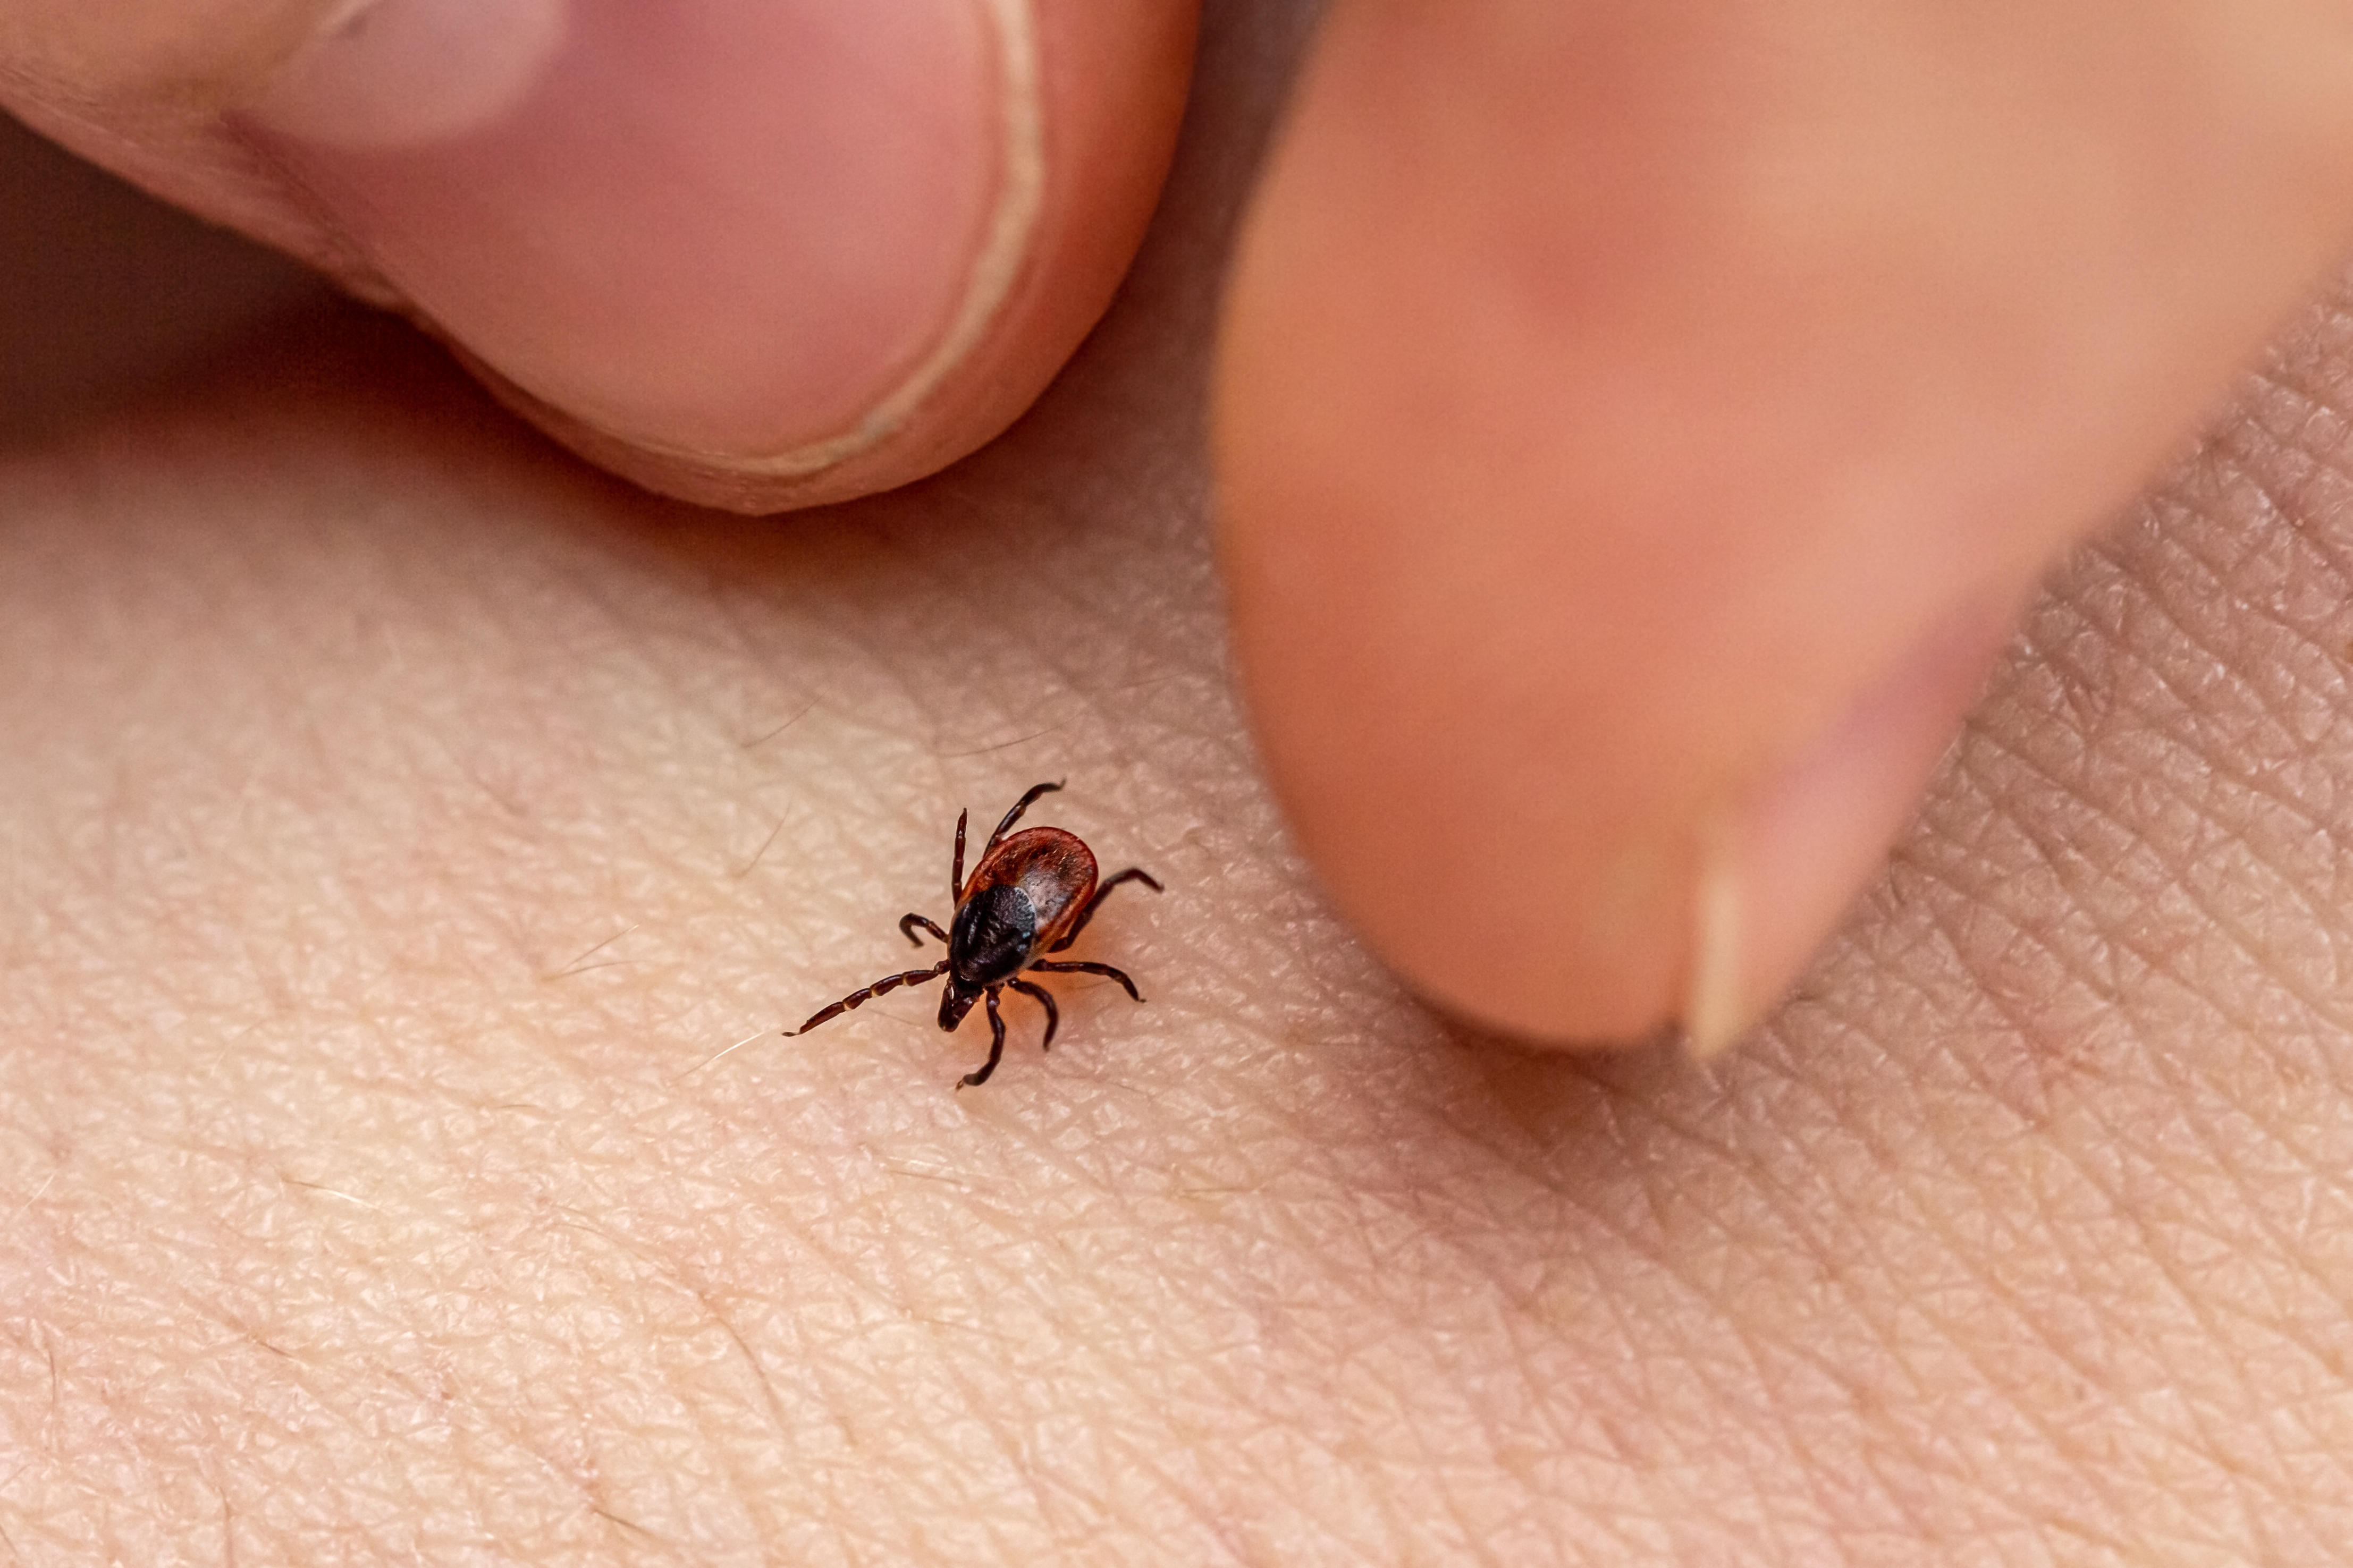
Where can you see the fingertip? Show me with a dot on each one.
(1620, 502)
(756, 253)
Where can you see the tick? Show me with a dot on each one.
(1030, 895)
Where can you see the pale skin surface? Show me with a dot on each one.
(397, 814)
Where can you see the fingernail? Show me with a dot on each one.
(750, 232)
(1777, 872)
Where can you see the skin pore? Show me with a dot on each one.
(397, 817)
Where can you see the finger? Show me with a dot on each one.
(759, 253)
(1639, 425)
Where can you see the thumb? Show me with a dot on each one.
(1639, 424)
(759, 253)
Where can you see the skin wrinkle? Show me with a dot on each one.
(2182, 1294)
(822, 1357)
(1143, 1452)
(2224, 917)
(1832, 1366)
(2058, 852)
(1857, 1393)
(427, 1329)
(2223, 1154)
(838, 1471)
(975, 1407)
(995, 1423)
(1624, 1454)
(2156, 1236)
(2318, 714)
(2132, 706)
(2242, 450)
(2192, 700)
(700, 1413)
(2178, 1282)
(1274, 1414)
(2153, 963)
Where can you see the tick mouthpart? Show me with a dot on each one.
(955, 1003)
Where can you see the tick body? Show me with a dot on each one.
(1030, 895)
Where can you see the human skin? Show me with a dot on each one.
(1637, 425)
(398, 816)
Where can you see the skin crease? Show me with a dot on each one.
(397, 814)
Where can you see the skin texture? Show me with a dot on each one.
(397, 814)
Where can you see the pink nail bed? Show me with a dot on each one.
(731, 228)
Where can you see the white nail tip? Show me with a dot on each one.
(1714, 1016)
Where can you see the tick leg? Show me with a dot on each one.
(1079, 966)
(1133, 873)
(907, 924)
(859, 998)
(1014, 816)
(955, 871)
(979, 1075)
(1044, 998)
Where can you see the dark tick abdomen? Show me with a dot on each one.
(993, 935)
